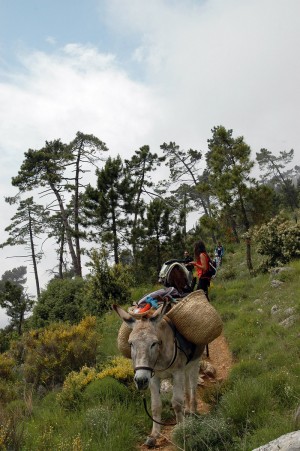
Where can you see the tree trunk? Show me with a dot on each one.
(158, 253)
(77, 269)
(248, 254)
(76, 212)
(33, 256)
(234, 231)
(61, 254)
(115, 239)
(20, 323)
(247, 227)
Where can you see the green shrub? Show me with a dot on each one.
(213, 394)
(283, 388)
(98, 421)
(227, 273)
(106, 390)
(278, 240)
(203, 433)
(113, 430)
(61, 301)
(9, 391)
(106, 285)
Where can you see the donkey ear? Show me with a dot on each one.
(160, 313)
(125, 316)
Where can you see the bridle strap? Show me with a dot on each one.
(174, 356)
(144, 368)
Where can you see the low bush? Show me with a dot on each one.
(107, 390)
(208, 432)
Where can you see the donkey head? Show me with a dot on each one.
(145, 343)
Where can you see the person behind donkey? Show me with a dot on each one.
(202, 265)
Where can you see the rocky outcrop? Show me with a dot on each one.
(287, 442)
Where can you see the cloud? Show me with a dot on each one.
(232, 63)
(75, 89)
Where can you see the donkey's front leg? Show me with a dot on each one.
(178, 395)
(156, 407)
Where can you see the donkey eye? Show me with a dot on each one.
(154, 344)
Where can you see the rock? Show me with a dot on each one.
(288, 322)
(289, 311)
(207, 368)
(257, 301)
(166, 386)
(287, 442)
(275, 309)
(297, 417)
(200, 381)
(276, 283)
(278, 270)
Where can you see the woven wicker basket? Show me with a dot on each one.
(122, 342)
(196, 319)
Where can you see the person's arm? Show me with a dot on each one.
(203, 263)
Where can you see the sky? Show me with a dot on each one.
(135, 72)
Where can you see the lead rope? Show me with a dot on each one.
(151, 418)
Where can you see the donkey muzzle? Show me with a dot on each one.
(142, 377)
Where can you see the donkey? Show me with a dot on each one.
(159, 352)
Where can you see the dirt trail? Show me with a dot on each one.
(221, 359)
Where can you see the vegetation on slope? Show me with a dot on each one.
(63, 385)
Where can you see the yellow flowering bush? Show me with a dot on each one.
(51, 353)
(70, 397)
(120, 368)
(75, 382)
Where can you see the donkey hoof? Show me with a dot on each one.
(150, 441)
